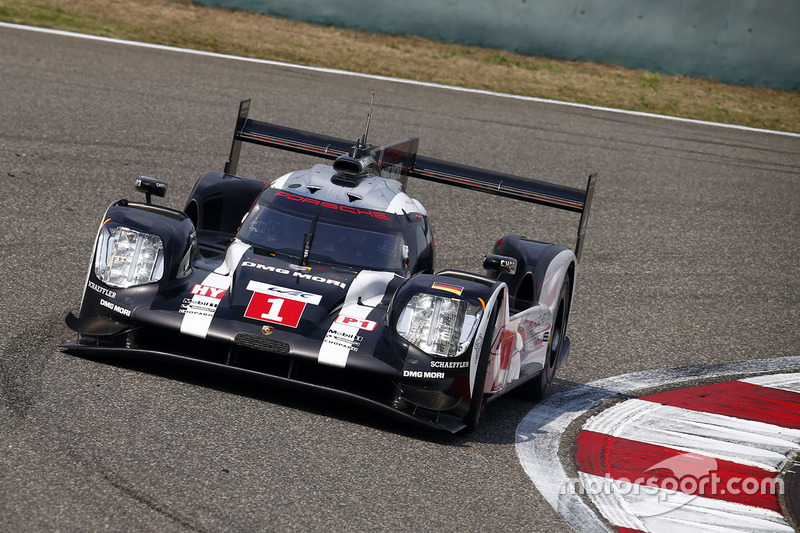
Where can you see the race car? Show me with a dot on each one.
(323, 279)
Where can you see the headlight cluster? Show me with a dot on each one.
(127, 257)
(438, 325)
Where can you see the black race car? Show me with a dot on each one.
(324, 280)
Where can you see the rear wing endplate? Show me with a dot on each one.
(400, 160)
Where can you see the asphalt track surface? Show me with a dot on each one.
(692, 257)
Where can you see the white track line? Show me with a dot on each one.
(783, 382)
(539, 433)
(746, 442)
(386, 78)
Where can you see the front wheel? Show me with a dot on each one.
(540, 385)
(476, 401)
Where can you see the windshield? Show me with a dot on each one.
(379, 247)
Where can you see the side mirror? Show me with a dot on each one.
(495, 263)
(150, 186)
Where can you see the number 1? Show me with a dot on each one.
(274, 310)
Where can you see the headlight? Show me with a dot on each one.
(438, 325)
(127, 257)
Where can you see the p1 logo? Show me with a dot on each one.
(354, 322)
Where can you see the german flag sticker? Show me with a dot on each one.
(448, 288)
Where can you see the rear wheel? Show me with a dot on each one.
(540, 385)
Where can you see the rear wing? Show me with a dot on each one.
(396, 159)
(399, 160)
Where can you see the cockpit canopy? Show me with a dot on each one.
(338, 234)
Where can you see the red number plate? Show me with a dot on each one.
(275, 309)
(278, 305)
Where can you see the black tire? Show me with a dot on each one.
(540, 385)
(476, 401)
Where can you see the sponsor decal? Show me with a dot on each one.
(349, 341)
(328, 205)
(423, 374)
(534, 330)
(198, 311)
(206, 290)
(449, 364)
(102, 290)
(278, 305)
(114, 307)
(342, 338)
(301, 275)
(449, 288)
(320, 279)
(198, 307)
(359, 323)
(502, 346)
(509, 266)
(158, 184)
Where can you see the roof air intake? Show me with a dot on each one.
(351, 166)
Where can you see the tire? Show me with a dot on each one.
(476, 401)
(540, 385)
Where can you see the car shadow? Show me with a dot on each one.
(497, 425)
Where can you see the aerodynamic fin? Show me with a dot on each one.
(587, 206)
(281, 137)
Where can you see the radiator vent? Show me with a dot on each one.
(261, 343)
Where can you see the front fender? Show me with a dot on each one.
(559, 267)
(454, 376)
(179, 242)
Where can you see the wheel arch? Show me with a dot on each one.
(219, 201)
(538, 263)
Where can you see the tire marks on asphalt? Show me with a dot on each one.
(22, 362)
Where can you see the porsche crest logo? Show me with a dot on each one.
(267, 330)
